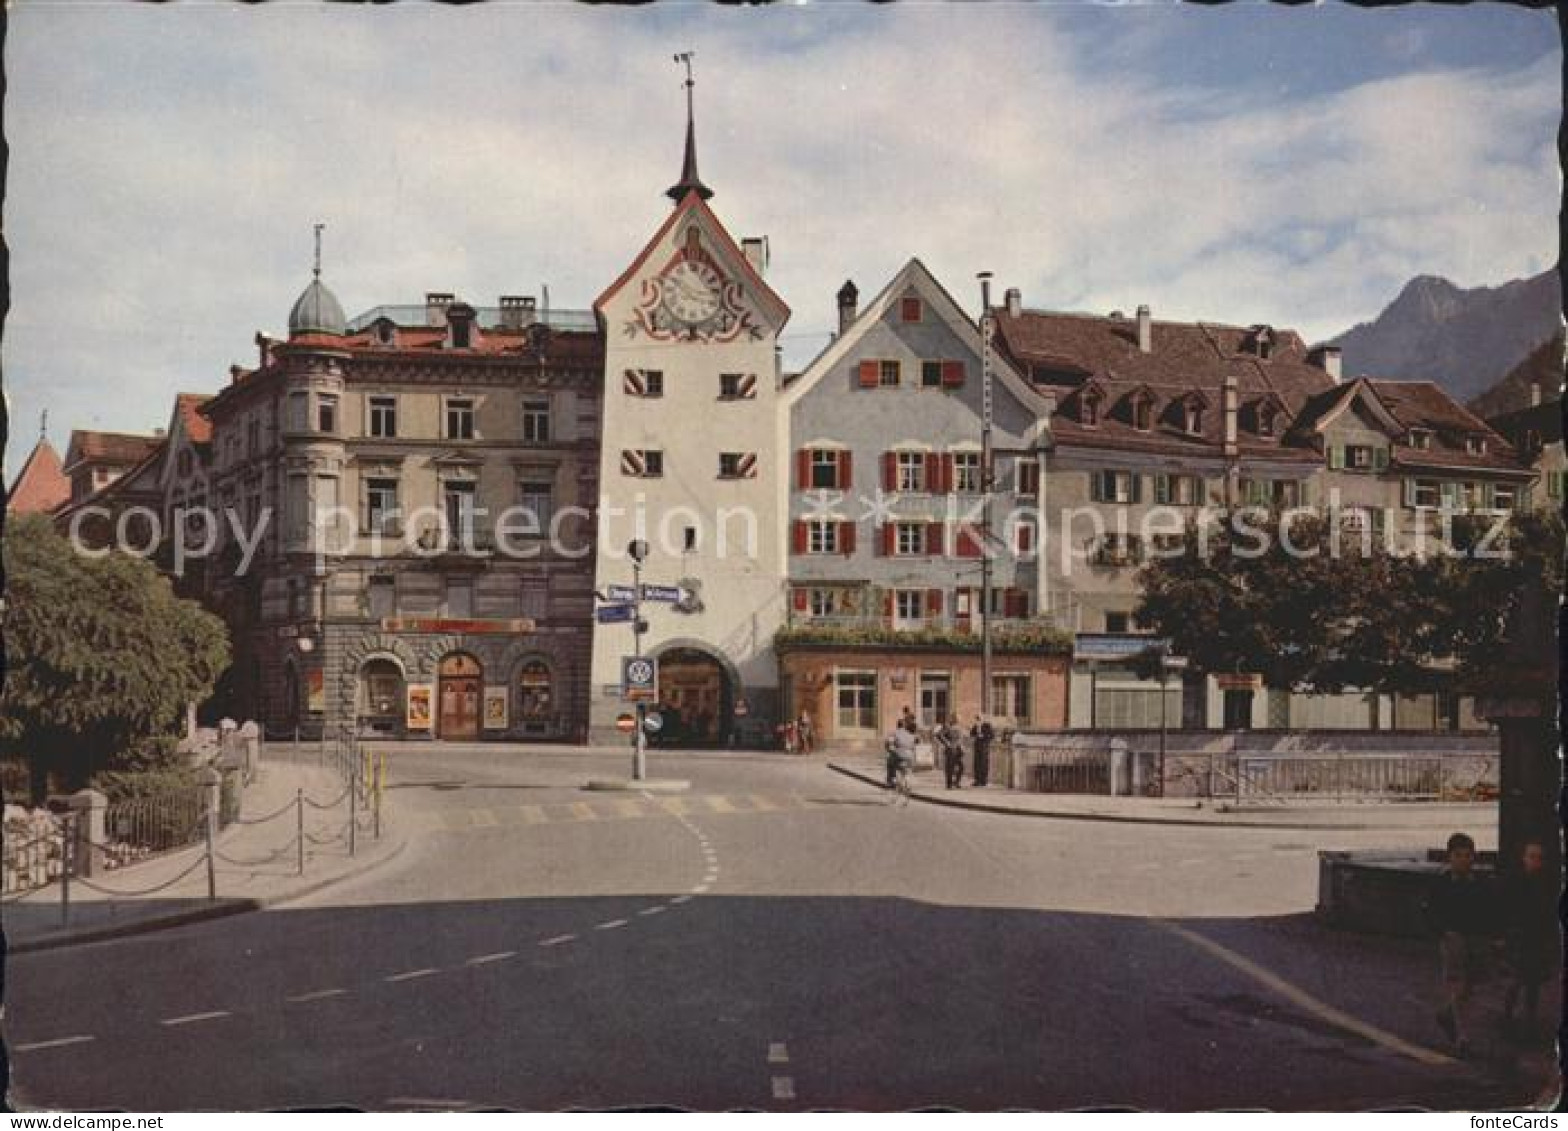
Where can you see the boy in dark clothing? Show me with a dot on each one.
(950, 740)
(982, 735)
(1459, 911)
(1528, 904)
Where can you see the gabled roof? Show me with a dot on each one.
(107, 447)
(1323, 411)
(693, 202)
(131, 482)
(916, 275)
(41, 485)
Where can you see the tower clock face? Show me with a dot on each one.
(691, 292)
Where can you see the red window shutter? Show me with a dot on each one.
(868, 374)
(952, 374)
(1025, 537)
(933, 602)
(1015, 602)
(935, 543)
(968, 545)
(887, 604)
(802, 600)
(798, 537)
(889, 471)
(803, 469)
(846, 538)
(845, 462)
(887, 540)
(933, 463)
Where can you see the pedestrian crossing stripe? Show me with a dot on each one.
(627, 809)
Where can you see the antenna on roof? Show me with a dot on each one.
(317, 270)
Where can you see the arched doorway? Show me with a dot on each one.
(380, 696)
(458, 697)
(695, 698)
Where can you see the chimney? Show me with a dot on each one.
(263, 351)
(460, 320)
(1015, 302)
(1535, 393)
(1145, 330)
(1326, 358)
(1231, 398)
(517, 311)
(848, 298)
(435, 308)
(756, 252)
(234, 373)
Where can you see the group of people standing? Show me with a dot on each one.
(949, 740)
(798, 735)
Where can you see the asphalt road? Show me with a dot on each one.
(777, 937)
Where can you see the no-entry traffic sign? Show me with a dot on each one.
(625, 723)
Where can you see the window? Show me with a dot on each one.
(1422, 494)
(326, 413)
(1270, 492)
(459, 499)
(909, 538)
(381, 595)
(1266, 415)
(1504, 496)
(534, 598)
(1089, 410)
(536, 497)
(253, 436)
(381, 511)
(642, 463)
(822, 602)
(643, 382)
(857, 701)
(1178, 490)
(1358, 457)
(1028, 477)
(184, 462)
(462, 333)
(1475, 445)
(936, 698)
(296, 508)
(730, 466)
(1192, 417)
(1115, 487)
(822, 537)
(1117, 549)
(909, 309)
(966, 473)
(459, 601)
(1420, 439)
(297, 412)
(1010, 699)
(824, 468)
(908, 608)
(1142, 413)
(930, 374)
(535, 694)
(911, 472)
(383, 417)
(1116, 622)
(536, 422)
(689, 539)
(733, 386)
(888, 373)
(460, 418)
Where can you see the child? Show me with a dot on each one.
(1459, 914)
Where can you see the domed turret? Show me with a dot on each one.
(317, 312)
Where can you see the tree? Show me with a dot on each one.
(101, 659)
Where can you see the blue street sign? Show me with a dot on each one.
(639, 679)
(670, 593)
(613, 614)
(620, 593)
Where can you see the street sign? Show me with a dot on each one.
(613, 614)
(671, 593)
(620, 593)
(625, 723)
(653, 722)
(639, 679)
(1175, 663)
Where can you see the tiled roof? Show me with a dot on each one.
(108, 447)
(428, 340)
(1424, 405)
(41, 484)
(197, 427)
(1544, 419)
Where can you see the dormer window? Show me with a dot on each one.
(1192, 413)
(1142, 413)
(1266, 420)
(460, 324)
(1089, 410)
(1475, 445)
(386, 332)
(1420, 439)
(1263, 341)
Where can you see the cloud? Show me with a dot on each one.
(167, 163)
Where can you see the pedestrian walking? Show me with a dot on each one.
(1460, 913)
(1527, 902)
(950, 745)
(804, 733)
(981, 735)
(790, 738)
(900, 748)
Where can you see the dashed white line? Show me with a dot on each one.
(486, 959)
(316, 995)
(681, 899)
(410, 975)
(414, 1101)
(610, 925)
(699, 889)
(191, 1018)
(58, 1042)
(783, 1088)
(557, 941)
(778, 1053)
(653, 910)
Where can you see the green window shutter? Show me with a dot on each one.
(1379, 459)
(1410, 493)
(1096, 494)
(1162, 488)
(1554, 485)
(1488, 495)
(1336, 458)
(1378, 521)
(1136, 487)
(1448, 493)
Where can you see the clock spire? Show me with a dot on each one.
(690, 181)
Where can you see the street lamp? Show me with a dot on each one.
(637, 550)
(1168, 664)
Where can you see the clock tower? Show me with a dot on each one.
(692, 463)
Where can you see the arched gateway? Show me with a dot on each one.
(461, 678)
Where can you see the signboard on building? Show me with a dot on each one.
(1238, 682)
(468, 626)
(420, 696)
(620, 593)
(1113, 645)
(670, 593)
(613, 614)
(639, 679)
(495, 708)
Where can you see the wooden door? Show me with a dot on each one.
(459, 706)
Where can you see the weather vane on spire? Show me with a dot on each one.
(689, 181)
(317, 270)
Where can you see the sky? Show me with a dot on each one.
(1240, 163)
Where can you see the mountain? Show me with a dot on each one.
(1543, 368)
(1465, 340)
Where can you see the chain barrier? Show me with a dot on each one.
(274, 815)
(333, 804)
(276, 855)
(138, 892)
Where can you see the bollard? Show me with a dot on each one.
(211, 782)
(299, 827)
(66, 841)
(381, 776)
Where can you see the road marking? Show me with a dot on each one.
(583, 811)
(532, 814)
(720, 805)
(783, 1088)
(610, 926)
(485, 959)
(58, 1042)
(681, 899)
(1303, 1000)
(410, 975)
(653, 910)
(677, 806)
(762, 804)
(315, 995)
(778, 1053)
(190, 1018)
(557, 941)
(482, 819)
(699, 889)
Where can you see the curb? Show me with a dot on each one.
(220, 909)
(1113, 818)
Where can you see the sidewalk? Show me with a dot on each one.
(926, 785)
(256, 865)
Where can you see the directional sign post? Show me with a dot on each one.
(614, 614)
(666, 593)
(620, 592)
(639, 679)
